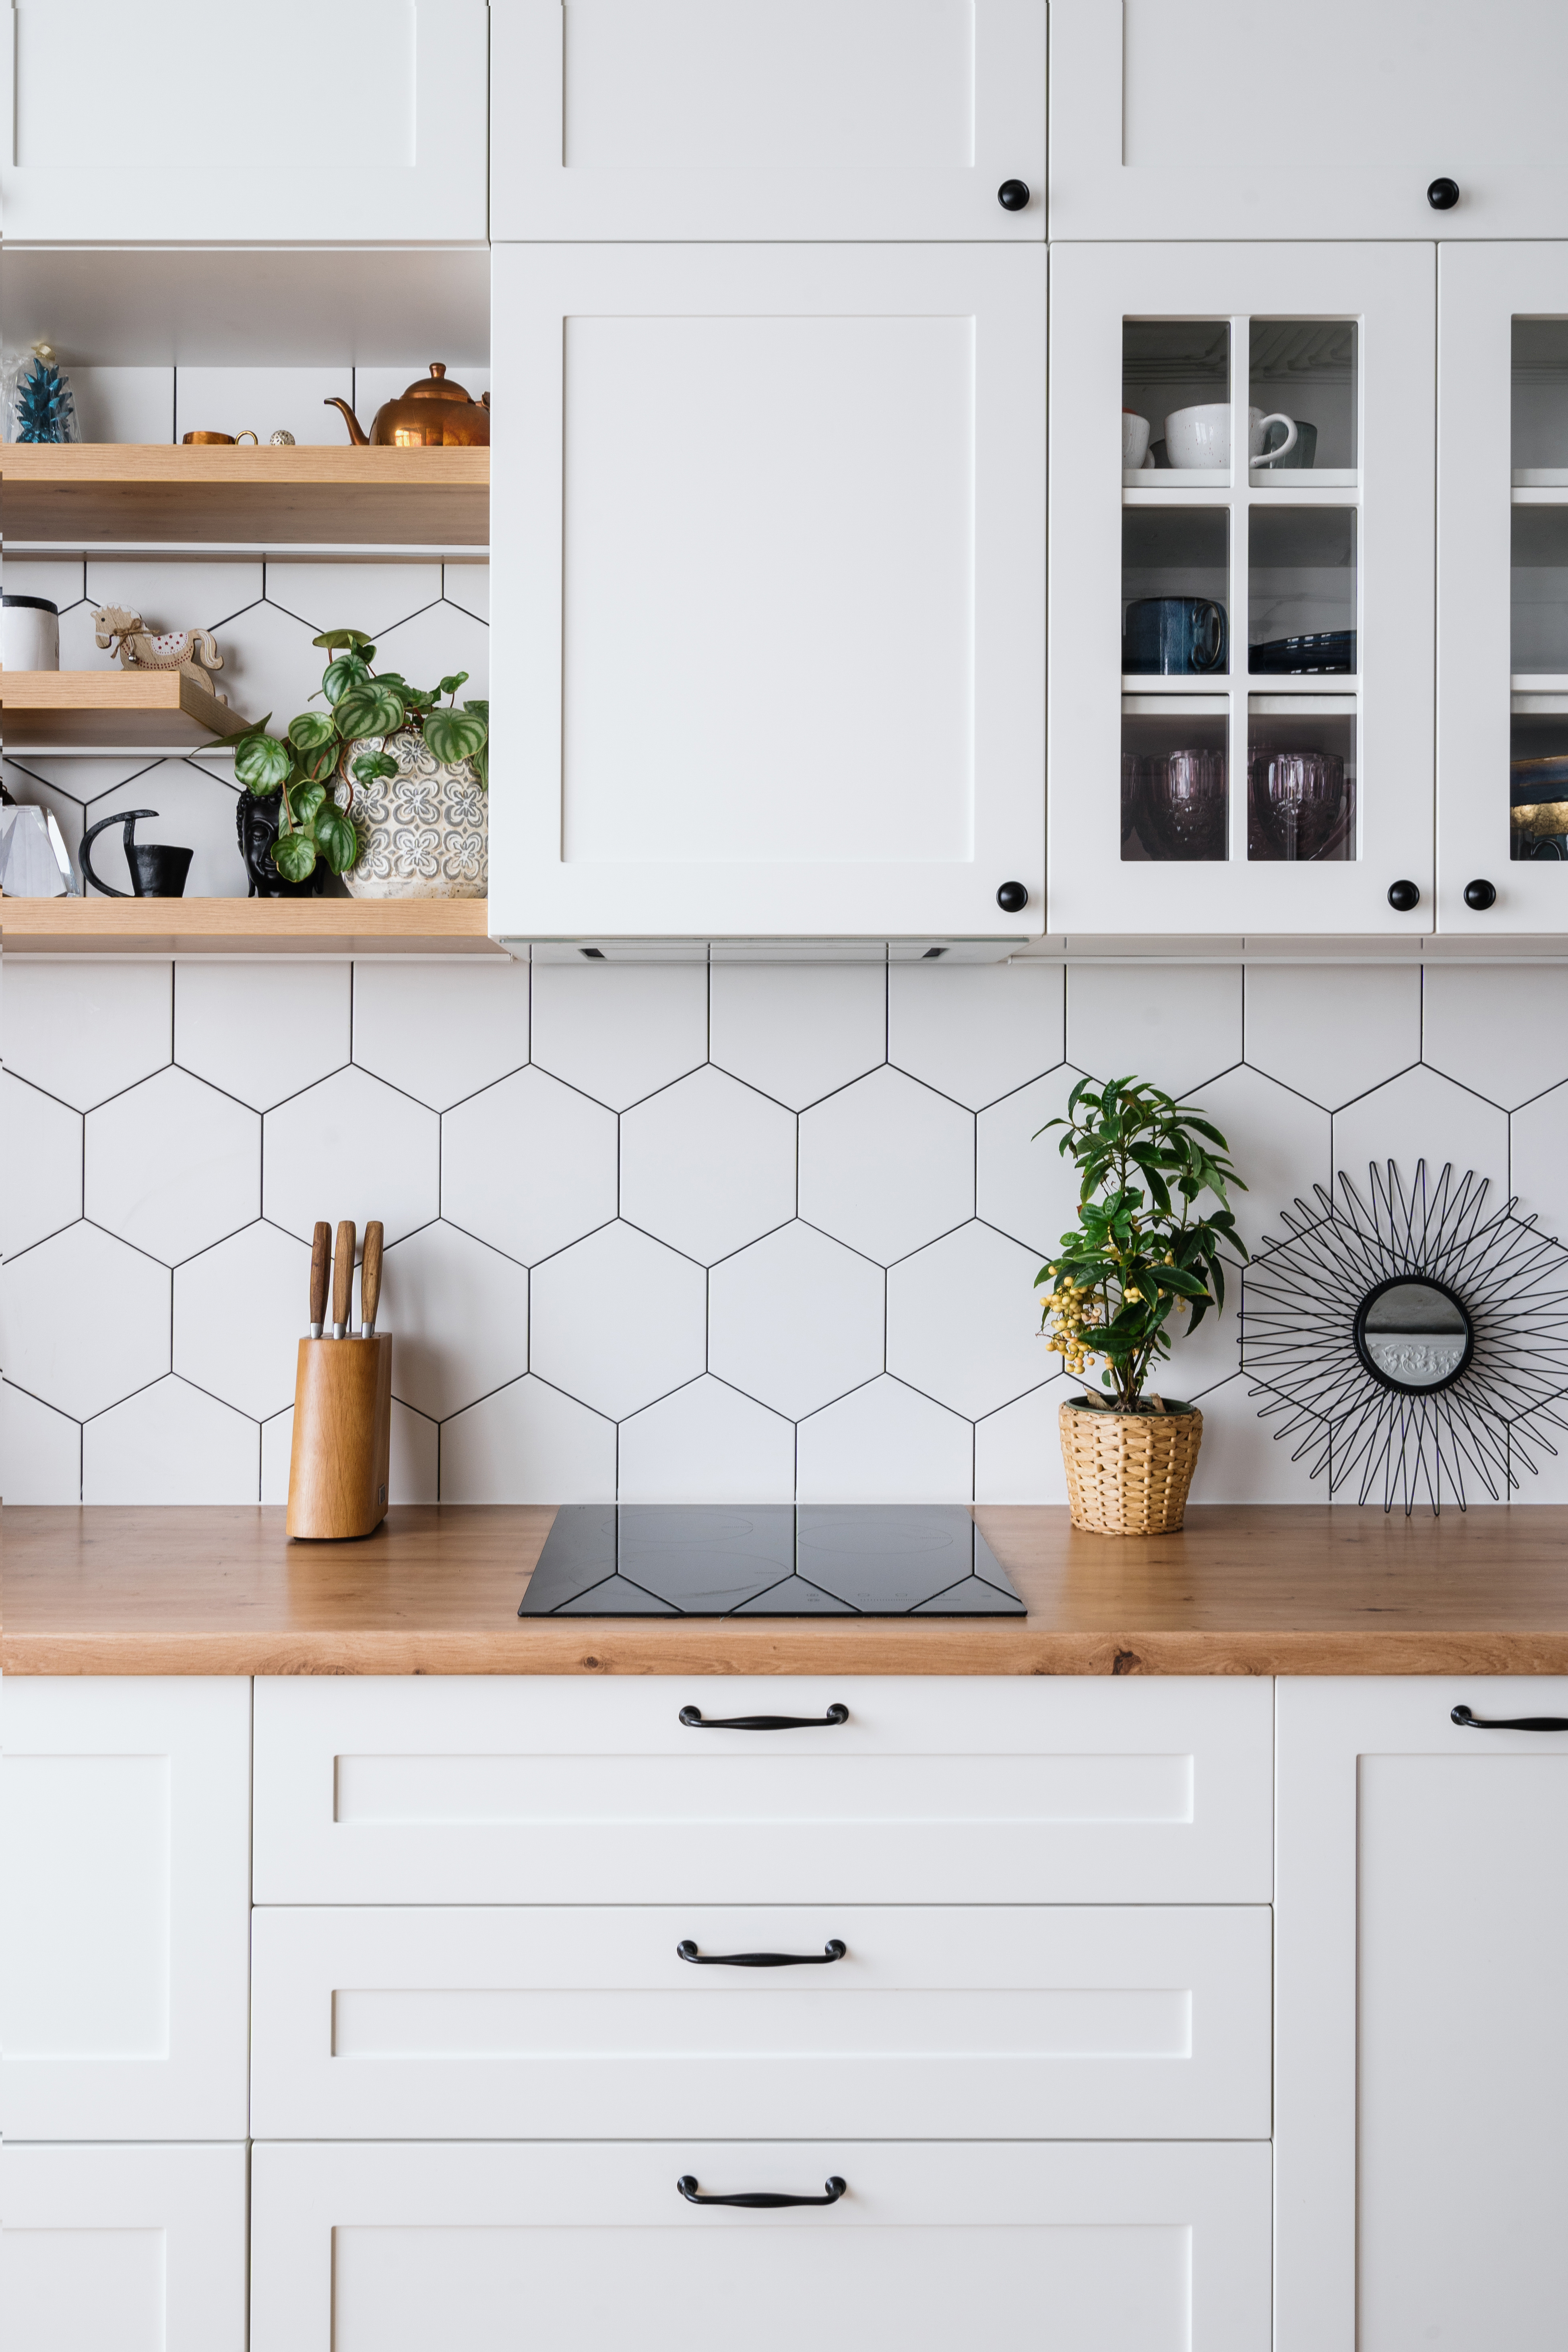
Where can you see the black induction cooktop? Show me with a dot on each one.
(775, 1560)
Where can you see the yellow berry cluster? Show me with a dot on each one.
(1062, 1320)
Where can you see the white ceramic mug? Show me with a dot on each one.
(1201, 436)
(29, 634)
(1135, 440)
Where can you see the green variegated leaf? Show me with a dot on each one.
(454, 734)
(372, 764)
(294, 855)
(349, 669)
(316, 766)
(331, 640)
(479, 709)
(371, 708)
(311, 730)
(307, 800)
(338, 839)
(450, 686)
(481, 764)
(261, 763)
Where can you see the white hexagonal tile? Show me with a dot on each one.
(1539, 1159)
(1201, 1359)
(172, 1165)
(40, 1451)
(438, 643)
(368, 596)
(618, 1321)
(1023, 1184)
(708, 1165)
(796, 1320)
(193, 809)
(415, 1455)
(173, 595)
(1333, 1031)
(964, 1321)
(887, 1165)
(1241, 1461)
(40, 1164)
(85, 1320)
(350, 1146)
(63, 580)
(171, 1443)
(1279, 1145)
(1497, 1028)
(528, 1444)
(799, 1031)
(468, 585)
(240, 1312)
(262, 1032)
(1018, 1450)
(976, 1031)
(529, 1165)
(1423, 1115)
(261, 399)
(441, 1035)
(707, 1445)
(270, 669)
(1175, 1025)
(619, 1031)
(884, 1445)
(458, 1316)
(86, 1031)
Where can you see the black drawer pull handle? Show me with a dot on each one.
(1469, 1722)
(761, 2200)
(695, 1720)
(833, 1950)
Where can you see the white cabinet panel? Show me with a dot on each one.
(1422, 2024)
(331, 119)
(1221, 118)
(585, 2025)
(366, 2249)
(143, 2249)
(700, 119)
(124, 1853)
(773, 526)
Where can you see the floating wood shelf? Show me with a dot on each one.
(361, 927)
(110, 710)
(94, 496)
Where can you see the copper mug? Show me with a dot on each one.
(218, 440)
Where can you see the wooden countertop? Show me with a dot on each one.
(1313, 1590)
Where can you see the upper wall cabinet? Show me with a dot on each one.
(330, 120)
(701, 118)
(1220, 118)
(769, 532)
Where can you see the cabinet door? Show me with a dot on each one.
(1502, 603)
(139, 2248)
(125, 1858)
(318, 120)
(1240, 652)
(1120, 2249)
(660, 119)
(770, 540)
(1422, 2015)
(1223, 118)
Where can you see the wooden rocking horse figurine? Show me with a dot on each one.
(191, 651)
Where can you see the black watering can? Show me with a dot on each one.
(156, 870)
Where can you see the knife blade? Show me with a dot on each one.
(62, 855)
(344, 1278)
(370, 1278)
(320, 1265)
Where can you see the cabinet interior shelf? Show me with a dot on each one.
(1174, 487)
(313, 927)
(1183, 685)
(110, 710)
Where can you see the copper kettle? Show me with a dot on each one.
(431, 415)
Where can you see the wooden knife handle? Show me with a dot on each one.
(343, 1275)
(320, 1266)
(370, 1274)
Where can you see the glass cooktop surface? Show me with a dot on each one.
(775, 1560)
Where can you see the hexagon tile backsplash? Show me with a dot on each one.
(670, 1233)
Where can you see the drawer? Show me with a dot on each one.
(359, 2248)
(588, 2025)
(949, 1790)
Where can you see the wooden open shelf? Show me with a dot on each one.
(92, 497)
(110, 710)
(247, 926)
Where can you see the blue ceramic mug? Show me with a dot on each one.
(1174, 636)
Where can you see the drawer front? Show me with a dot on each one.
(359, 2248)
(588, 2025)
(957, 1790)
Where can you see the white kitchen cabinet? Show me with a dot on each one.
(143, 2249)
(1118, 2249)
(769, 589)
(1422, 2014)
(1241, 653)
(697, 119)
(316, 121)
(1221, 118)
(124, 1856)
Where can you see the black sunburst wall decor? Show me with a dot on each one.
(1409, 1340)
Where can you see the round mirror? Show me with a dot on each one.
(1414, 1334)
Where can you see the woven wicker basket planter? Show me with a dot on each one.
(1128, 1472)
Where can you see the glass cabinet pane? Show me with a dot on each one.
(1175, 369)
(1303, 399)
(1176, 804)
(1538, 631)
(1175, 591)
(1301, 591)
(1301, 778)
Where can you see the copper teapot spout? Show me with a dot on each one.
(357, 435)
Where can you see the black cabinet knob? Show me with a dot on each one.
(1442, 195)
(1479, 895)
(1012, 898)
(1402, 897)
(1014, 195)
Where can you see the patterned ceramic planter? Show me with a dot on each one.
(424, 832)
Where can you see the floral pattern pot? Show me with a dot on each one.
(424, 833)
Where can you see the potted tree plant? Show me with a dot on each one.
(1140, 1253)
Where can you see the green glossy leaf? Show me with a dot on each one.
(369, 765)
(349, 669)
(331, 639)
(339, 841)
(481, 759)
(481, 710)
(371, 708)
(261, 763)
(315, 767)
(450, 686)
(307, 800)
(294, 855)
(312, 731)
(454, 734)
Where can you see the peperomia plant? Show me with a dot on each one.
(1140, 1251)
(306, 766)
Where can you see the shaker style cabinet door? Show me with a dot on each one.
(1421, 2024)
(307, 120)
(1220, 118)
(770, 552)
(700, 119)
(1241, 602)
(1502, 601)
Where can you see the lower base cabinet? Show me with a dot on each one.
(395, 2248)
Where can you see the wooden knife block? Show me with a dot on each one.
(343, 1437)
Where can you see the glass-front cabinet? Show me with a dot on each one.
(1240, 679)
